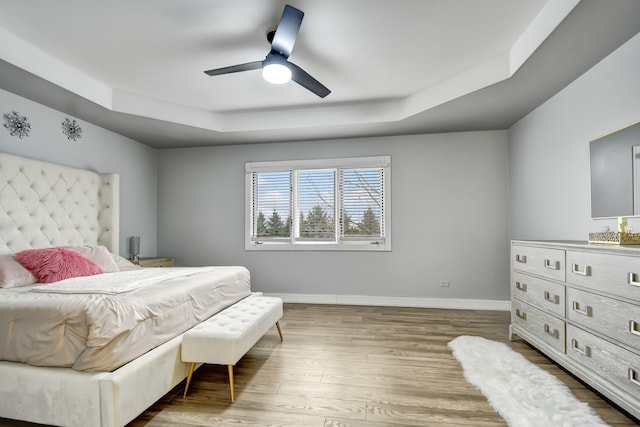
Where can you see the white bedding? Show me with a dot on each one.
(118, 282)
(81, 207)
(100, 331)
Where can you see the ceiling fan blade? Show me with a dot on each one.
(305, 80)
(287, 31)
(255, 65)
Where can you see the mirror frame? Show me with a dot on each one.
(614, 166)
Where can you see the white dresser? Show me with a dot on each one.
(580, 305)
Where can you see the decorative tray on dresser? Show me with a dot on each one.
(579, 304)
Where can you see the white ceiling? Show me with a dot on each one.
(394, 67)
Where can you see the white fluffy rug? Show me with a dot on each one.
(522, 393)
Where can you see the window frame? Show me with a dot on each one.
(376, 245)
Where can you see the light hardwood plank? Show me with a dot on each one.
(358, 366)
(355, 366)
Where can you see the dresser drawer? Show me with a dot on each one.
(541, 293)
(548, 328)
(544, 262)
(616, 319)
(613, 274)
(616, 365)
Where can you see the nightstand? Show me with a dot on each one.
(154, 262)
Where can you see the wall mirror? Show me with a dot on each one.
(615, 173)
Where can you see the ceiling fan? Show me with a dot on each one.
(275, 67)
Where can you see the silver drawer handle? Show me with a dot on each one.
(633, 327)
(521, 258)
(575, 269)
(554, 300)
(633, 375)
(586, 352)
(632, 279)
(553, 265)
(521, 286)
(555, 333)
(586, 312)
(523, 316)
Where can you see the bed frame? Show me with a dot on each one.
(43, 205)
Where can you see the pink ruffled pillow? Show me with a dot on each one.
(54, 264)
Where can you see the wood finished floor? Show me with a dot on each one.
(356, 366)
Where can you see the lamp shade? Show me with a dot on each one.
(134, 247)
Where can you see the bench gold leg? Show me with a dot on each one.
(231, 382)
(279, 330)
(191, 367)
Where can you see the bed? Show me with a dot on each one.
(114, 332)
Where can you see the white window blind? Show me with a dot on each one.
(271, 205)
(362, 212)
(315, 205)
(318, 204)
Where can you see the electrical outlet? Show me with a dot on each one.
(444, 283)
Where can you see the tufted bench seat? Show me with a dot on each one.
(226, 336)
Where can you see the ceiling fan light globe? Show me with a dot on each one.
(276, 73)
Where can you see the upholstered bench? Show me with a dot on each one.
(227, 336)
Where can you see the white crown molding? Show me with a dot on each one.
(446, 303)
(551, 15)
(492, 70)
(24, 55)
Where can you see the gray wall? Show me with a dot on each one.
(549, 149)
(196, 196)
(99, 150)
(454, 184)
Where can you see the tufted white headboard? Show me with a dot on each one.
(44, 204)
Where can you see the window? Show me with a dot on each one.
(330, 204)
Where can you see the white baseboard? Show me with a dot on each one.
(451, 303)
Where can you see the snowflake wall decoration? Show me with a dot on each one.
(72, 129)
(18, 125)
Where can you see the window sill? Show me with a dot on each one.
(356, 247)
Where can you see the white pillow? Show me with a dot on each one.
(124, 263)
(100, 255)
(13, 274)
